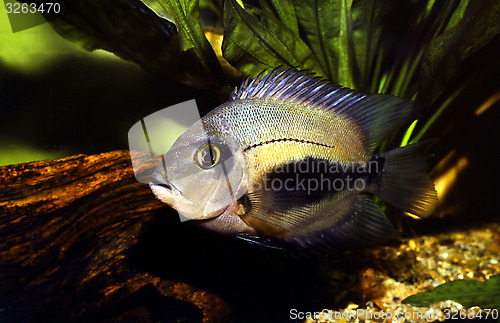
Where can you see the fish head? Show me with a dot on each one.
(202, 174)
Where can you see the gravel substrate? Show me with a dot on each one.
(418, 265)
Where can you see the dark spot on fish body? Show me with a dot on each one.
(310, 180)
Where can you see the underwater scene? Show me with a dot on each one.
(249, 161)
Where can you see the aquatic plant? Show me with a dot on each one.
(469, 293)
(409, 49)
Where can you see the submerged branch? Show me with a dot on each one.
(65, 231)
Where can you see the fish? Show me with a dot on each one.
(289, 162)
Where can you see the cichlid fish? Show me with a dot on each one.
(289, 161)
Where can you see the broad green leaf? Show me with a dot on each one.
(320, 21)
(468, 30)
(372, 47)
(367, 47)
(389, 42)
(187, 19)
(158, 9)
(134, 32)
(462, 35)
(128, 29)
(286, 13)
(346, 46)
(256, 40)
(404, 48)
(469, 293)
(212, 6)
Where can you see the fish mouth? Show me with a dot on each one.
(167, 193)
(159, 180)
(164, 190)
(188, 209)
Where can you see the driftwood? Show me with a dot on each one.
(82, 240)
(67, 232)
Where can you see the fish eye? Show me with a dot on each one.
(207, 155)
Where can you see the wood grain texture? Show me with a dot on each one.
(66, 228)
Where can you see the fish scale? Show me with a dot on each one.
(271, 127)
(256, 121)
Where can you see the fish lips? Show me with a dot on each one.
(164, 191)
(161, 181)
(167, 193)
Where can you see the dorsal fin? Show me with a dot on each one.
(377, 115)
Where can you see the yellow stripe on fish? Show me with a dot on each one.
(289, 161)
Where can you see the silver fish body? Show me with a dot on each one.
(289, 158)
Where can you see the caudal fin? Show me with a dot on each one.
(404, 182)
